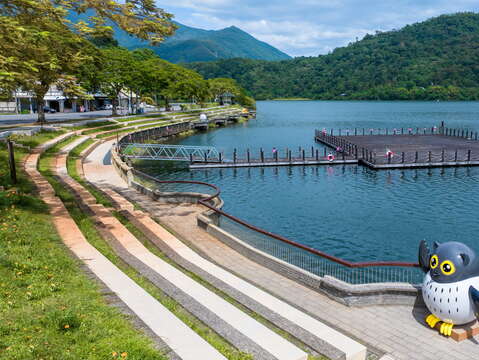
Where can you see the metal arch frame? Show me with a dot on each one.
(168, 152)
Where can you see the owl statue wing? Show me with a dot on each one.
(475, 298)
(424, 256)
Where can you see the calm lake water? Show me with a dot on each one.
(348, 211)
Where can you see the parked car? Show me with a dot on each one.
(106, 107)
(48, 109)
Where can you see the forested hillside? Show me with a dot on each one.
(434, 60)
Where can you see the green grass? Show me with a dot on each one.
(49, 309)
(93, 125)
(112, 127)
(37, 139)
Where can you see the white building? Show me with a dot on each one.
(57, 100)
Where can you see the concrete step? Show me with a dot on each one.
(180, 338)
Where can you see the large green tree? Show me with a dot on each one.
(39, 46)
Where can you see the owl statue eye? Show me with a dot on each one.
(448, 268)
(434, 261)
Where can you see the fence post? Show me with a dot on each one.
(11, 160)
(469, 155)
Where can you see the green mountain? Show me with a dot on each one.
(435, 59)
(191, 44)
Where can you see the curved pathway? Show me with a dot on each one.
(179, 337)
(396, 330)
(311, 331)
(237, 327)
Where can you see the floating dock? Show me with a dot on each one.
(405, 148)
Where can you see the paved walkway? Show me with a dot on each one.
(237, 327)
(397, 330)
(179, 337)
(104, 176)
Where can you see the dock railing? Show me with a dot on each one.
(306, 258)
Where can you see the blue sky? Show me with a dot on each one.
(310, 27)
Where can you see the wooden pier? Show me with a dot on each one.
(405, 148)
(303, 157)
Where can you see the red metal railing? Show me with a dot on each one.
(207, 203)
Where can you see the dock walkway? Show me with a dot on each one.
(398, 149)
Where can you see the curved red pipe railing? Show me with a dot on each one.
(205, 202)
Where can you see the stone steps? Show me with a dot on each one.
(311, 331)
(180, 338)
(238, 328)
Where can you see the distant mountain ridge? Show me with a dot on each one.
(191, 45)
(437, 59)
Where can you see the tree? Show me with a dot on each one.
(40, 47)
(117, 73)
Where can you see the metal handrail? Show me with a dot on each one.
(206, 202)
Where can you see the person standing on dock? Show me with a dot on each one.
(274, 151)
(330, 157)
(203, 117)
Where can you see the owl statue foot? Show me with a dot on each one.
(446, 329)
(432, 320)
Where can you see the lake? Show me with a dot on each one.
(349, 211)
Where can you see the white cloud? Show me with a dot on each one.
(310, 27)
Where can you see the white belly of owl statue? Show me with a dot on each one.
(450, 302)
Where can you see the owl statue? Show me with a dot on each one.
(450, 288)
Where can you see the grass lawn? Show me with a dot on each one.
(49, 309)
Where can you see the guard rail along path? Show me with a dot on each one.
(348, 282)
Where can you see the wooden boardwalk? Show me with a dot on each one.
(386, 149)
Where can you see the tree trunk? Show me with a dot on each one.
(40, 111)
(40, 93)
(114, 110)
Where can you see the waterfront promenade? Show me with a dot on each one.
(397, 330)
